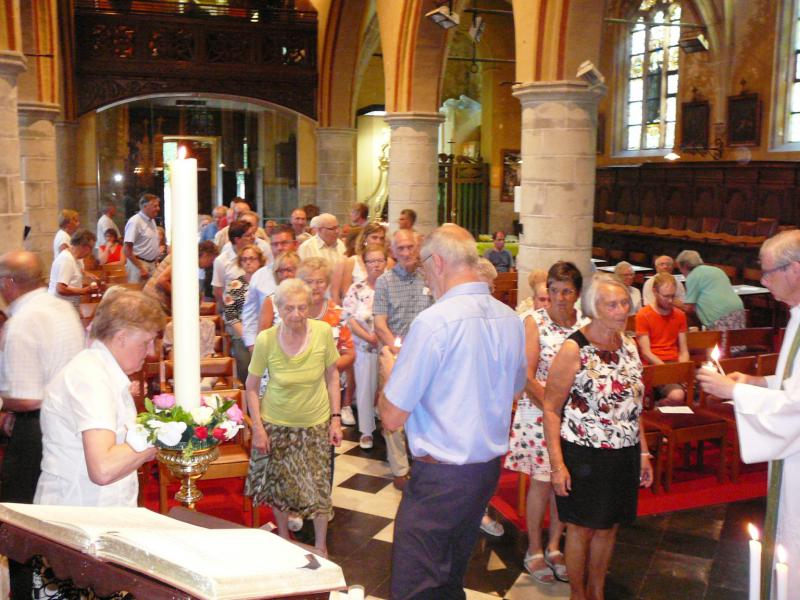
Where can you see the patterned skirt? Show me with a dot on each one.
(294, 476)
(527, 447)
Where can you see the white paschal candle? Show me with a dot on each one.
(185, 286)
(781, 574)
(755, 563)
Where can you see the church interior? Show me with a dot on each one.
(592, 131)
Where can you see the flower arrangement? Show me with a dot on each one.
(167, 425)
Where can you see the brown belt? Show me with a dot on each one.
(428, 459)
(142, 258)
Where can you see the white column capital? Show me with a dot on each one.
(12, 63)
(548, 91)
(413, 119)
(336, 131)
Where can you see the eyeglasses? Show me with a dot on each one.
(426, 258)
(375, 261)
(243, 258)
(334, 228)
(766, 273)
(286, 270)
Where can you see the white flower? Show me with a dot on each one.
(170, 433)
(230, 427)
(136, 438)
(234, 285)
(202, 415)
(215, 401)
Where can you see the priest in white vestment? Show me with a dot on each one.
(768, 408)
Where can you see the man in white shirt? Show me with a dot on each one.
(663, 264)
(42, 334)
(67, 225)
(325, 243)
(66, 274)
(262, 284)
(226, 269)
(141, 239)
(768, 408)
(106, 222)
(240, 209)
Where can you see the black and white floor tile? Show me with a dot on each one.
(689, 555)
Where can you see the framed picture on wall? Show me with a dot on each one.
(511, 160)
(744, 120)
(695, 117)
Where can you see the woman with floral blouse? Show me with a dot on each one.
(592, 411)
(250, 259)
(358, 314)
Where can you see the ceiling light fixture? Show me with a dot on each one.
(444, 16)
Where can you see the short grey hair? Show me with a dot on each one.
(314, 263)
(324, 218)
(622, 265)
(783, 247)
(147, 199)
(689, 259)
(454, 244)
(402, 233)
(590, 292)
(290, 288)
(485, 270)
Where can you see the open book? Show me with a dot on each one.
(208, 563)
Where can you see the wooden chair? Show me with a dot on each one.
(208, 309)
(753, 340)
(630, 325)
(701, 343)
(681, 430)
(730, 270)
(766, 364)
(638, 258)
(505, 289)
(113, 270)
(233, 461)
(598, 252)
(223, 368)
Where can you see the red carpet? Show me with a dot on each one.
(688, 491)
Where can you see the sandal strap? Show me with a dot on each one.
(554, 553)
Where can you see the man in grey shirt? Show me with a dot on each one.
(400, 295)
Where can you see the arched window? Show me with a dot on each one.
(786, 99)
(652, 77)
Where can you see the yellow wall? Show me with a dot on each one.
(373, 132)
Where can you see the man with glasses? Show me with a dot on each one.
(768, 408)
(42, 335)
(662, 264)
(262, 284)
(325, 243)
(661, 332)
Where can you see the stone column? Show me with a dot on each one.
(37, 152)
(559, 128)
(414, 167)
(11, 199)
(336, 160)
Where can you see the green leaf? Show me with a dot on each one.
(149, 406)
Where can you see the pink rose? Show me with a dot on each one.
(164, 401)
(235, 413)
(201, 433)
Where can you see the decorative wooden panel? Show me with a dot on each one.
(123, 55)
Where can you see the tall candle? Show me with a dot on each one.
(781, 573)
(185, 285)
(755, 563)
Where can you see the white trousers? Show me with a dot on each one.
(366, 373)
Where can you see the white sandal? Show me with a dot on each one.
(544, 575)
(559, 571)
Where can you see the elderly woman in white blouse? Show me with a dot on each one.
(88, 409)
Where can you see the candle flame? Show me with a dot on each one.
(780, 552)
(182, 152)
(715, 354)
(753, 531)
(398, 342)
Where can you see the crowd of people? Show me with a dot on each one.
(397, 333)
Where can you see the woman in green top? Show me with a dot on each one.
(297, 419)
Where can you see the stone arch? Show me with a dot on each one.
(343, 48)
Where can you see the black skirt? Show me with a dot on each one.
(605, 486)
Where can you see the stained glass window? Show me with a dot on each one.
(793, 134)
(652, 90)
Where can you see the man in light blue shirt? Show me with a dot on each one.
(453, 386)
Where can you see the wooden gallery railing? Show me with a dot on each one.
(463, 196)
